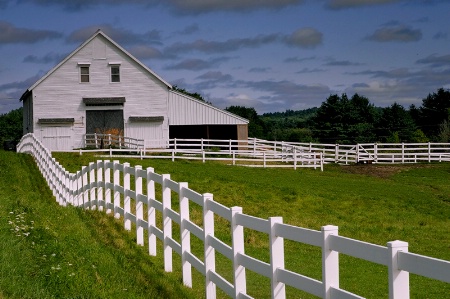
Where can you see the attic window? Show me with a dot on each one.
(84, 73)
(151, 119)
(115, 73)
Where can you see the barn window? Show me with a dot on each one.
(115, 73)
(84, 73)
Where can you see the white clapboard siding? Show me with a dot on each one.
(186, 110)
(60, 94)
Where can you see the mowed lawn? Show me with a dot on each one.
(371, 203)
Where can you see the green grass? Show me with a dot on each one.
(48, 251)
(411, 203)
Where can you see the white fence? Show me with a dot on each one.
(307, 154)
(111, 141)
(99, 186)
(251, 152)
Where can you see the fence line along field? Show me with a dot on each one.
(250, 258)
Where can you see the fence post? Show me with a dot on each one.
(264, 159)
(403, 152)
(429, 152)
(107, 171)
(167, 223)
(234, 158)
(330, 262)
(84, 173)
(67, 186)
(151, 212)
(116, 179)
(139, 205)
(79, 190)
(294, 153)
(398, 279)
(237, 246)
(229, 149)
(175, 144)
(53, 178)
(375, 152)
(201, 144)
(126, 197)
(58, 183)
(336, 153)
(203, 156)
(276, 258)
(322, 161)
(92, 198)
(185, 235)
(210, 253)
(100, 185)
(357, 152)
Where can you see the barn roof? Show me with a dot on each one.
(97, 33)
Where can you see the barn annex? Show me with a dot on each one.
(100, 87)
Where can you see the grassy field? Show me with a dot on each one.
(371, 203)
(48, 251)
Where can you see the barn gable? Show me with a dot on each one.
(103, 89)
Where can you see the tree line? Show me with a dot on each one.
(339, 119)
(349, 120)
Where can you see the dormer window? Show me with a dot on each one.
(84, 72)
(115, 71)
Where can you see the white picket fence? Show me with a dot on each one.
(99, 186)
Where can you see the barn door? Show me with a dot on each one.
(105, 122)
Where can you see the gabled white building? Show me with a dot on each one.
(101, 88)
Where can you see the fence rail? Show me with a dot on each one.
(265, 152)
(101, 185)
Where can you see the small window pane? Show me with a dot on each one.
(84, 71)
(115, 73)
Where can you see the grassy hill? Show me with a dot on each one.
(371, 203)
(48, 251)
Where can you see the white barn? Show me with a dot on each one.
(101, 88)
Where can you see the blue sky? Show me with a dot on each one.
(272, 55)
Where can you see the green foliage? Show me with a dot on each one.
(343, 120)
(396, 120)
(11, 126)
(434, 111)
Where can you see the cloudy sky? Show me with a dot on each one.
(272, 55)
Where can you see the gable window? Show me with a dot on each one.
(115, 73)
(84, 74)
